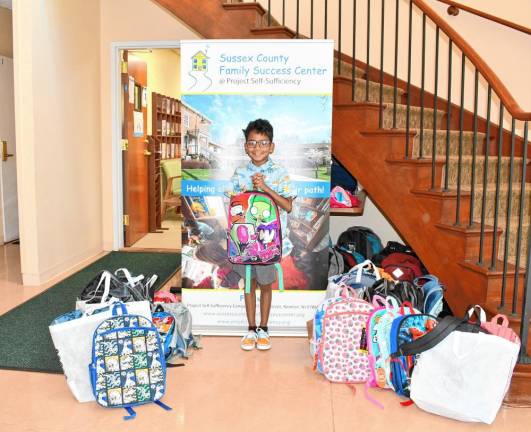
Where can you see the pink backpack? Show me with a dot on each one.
(502, 330)
(342, 350)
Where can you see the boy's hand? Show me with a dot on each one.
(259, 181)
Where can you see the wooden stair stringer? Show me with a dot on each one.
(213, 19)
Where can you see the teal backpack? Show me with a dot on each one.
(128, 366)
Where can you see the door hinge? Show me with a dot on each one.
(124, 67)
(125, 144)
(126, 220)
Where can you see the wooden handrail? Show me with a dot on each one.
(485, 15)
(499, 88)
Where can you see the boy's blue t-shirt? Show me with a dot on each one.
(277, 178)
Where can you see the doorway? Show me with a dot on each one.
(9, 230)
(150, 144)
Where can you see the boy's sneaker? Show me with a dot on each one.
(249, 341)
(263, 342)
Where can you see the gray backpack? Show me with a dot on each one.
(336, 264)
(182, 339)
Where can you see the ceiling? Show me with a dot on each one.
(6, 4)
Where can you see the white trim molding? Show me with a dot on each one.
(116, 125)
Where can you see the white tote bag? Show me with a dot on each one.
(465, 376)
(73, 342)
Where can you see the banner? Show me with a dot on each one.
(256, 115)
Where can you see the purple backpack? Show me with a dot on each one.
(254, 233)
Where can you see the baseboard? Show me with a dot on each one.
(32, 279)
(519, 393)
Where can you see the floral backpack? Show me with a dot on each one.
(254, 233)
(128, 366)
(342, 354)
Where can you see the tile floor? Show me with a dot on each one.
(220, 389)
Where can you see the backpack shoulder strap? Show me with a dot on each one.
(280, 276)
(163, 405)
(247, 279)
(431, 339)
(131, 412)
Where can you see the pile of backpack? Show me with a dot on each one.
(358, 243)
(115, 347)
(389, 334)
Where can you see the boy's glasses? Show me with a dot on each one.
(260, 144)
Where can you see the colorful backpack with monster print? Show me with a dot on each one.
(128, 366)
(254, 233)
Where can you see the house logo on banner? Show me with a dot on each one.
(198, 72)
(232, 83)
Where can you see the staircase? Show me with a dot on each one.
(454, 185)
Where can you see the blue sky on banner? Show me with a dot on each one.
(297, 120)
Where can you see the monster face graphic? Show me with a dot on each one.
(238, 207)
(267, 234)
(261, 210)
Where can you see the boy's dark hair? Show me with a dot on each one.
(260, 126)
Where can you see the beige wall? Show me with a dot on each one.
(6, 32)
(505, 50)
(143, 21)
(57, 107)
(163, 75)
(516, 11)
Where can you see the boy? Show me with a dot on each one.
(261, 173)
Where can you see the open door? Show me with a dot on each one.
(8, 166)
(135, 149)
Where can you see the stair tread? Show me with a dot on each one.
(475, 228)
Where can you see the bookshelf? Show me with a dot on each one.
(166, 125)
(154, 187)
(164, 143)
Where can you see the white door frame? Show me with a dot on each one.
(116, 110)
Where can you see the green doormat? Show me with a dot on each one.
(25, 342)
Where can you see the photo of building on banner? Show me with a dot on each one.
(277, 144)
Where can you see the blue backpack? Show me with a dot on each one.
(406, 329)
(433, 293)
(165, 324)
(128, 366)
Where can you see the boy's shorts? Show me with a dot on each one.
(264, 274)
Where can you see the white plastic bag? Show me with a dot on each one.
(465, 376)
(73, 342)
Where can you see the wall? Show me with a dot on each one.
(516, 11)
(57, 103)
(144, 21)
(6, 32)
(371, 218)
(163, 75)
